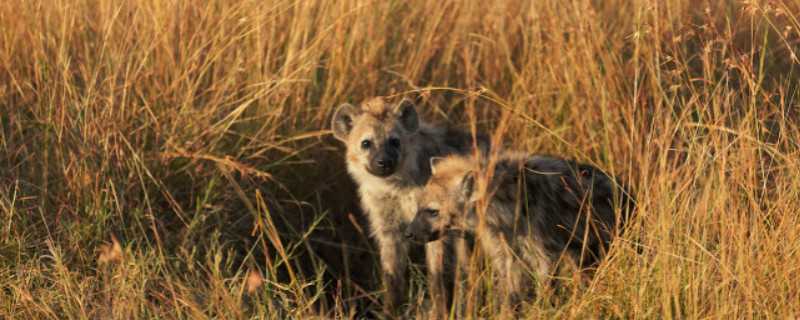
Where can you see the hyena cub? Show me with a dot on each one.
(388, 155)
(538, 209)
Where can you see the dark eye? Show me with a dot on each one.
(432, 212)
(394, 142)
(365, 144)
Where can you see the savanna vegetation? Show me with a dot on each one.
(173, 159)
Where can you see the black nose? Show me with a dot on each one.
(409, 234)
(385, 162)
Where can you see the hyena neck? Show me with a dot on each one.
(470, 221)
(497, 217)
(503, 193)
(427, 142)
(509, 194)
(415, 169)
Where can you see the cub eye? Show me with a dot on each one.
(432, 212)
(394, 142)
(365, 144)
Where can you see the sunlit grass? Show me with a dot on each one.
(171, 158)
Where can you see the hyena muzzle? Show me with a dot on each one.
(388, 153)
(539, 209)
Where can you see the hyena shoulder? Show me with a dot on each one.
(439, 140)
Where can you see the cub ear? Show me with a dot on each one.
(343, 121)
(467, 185)
(435, 161)
(407, 113)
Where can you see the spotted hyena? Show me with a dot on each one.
(539, 208)
(388, 155)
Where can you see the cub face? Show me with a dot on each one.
(376, 134)
(445, 200)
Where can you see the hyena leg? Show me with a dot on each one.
(544, 272)
(446, 260)
(394, 256)
(542, 261)
(513, 280)
(435, 255)
(463, 256)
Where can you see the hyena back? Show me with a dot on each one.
(388, 155)
(538, 209)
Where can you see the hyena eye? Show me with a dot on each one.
(366, 144)
(394, 142)
(432, 212)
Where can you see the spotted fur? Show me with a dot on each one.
(539, 209)
(388, 155)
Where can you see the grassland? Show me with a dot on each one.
(172, 159)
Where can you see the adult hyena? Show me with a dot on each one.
(388, 155)
(539, 209)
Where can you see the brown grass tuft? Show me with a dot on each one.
(110, 252)
(195, 132)
(254, 281)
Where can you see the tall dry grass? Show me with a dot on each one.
(171, 159)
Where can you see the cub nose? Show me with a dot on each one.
(409, 234)
(385, 162)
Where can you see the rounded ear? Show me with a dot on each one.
(343, 120)
(467, 184)
(435, 161)
(407, 113)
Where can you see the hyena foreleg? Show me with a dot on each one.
(446, 259)
(434, 258)
(394, 262)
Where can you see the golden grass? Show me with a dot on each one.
(160, 158)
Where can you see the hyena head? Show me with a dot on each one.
(376, 134)
(446, 199)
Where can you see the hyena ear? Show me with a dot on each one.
(343, 120)
(435, 161)
(467, 185)
(407, 113)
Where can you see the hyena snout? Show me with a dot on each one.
(409, 234)
(420, 231)
(383, 164)
(382, 167)
(415, 234)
